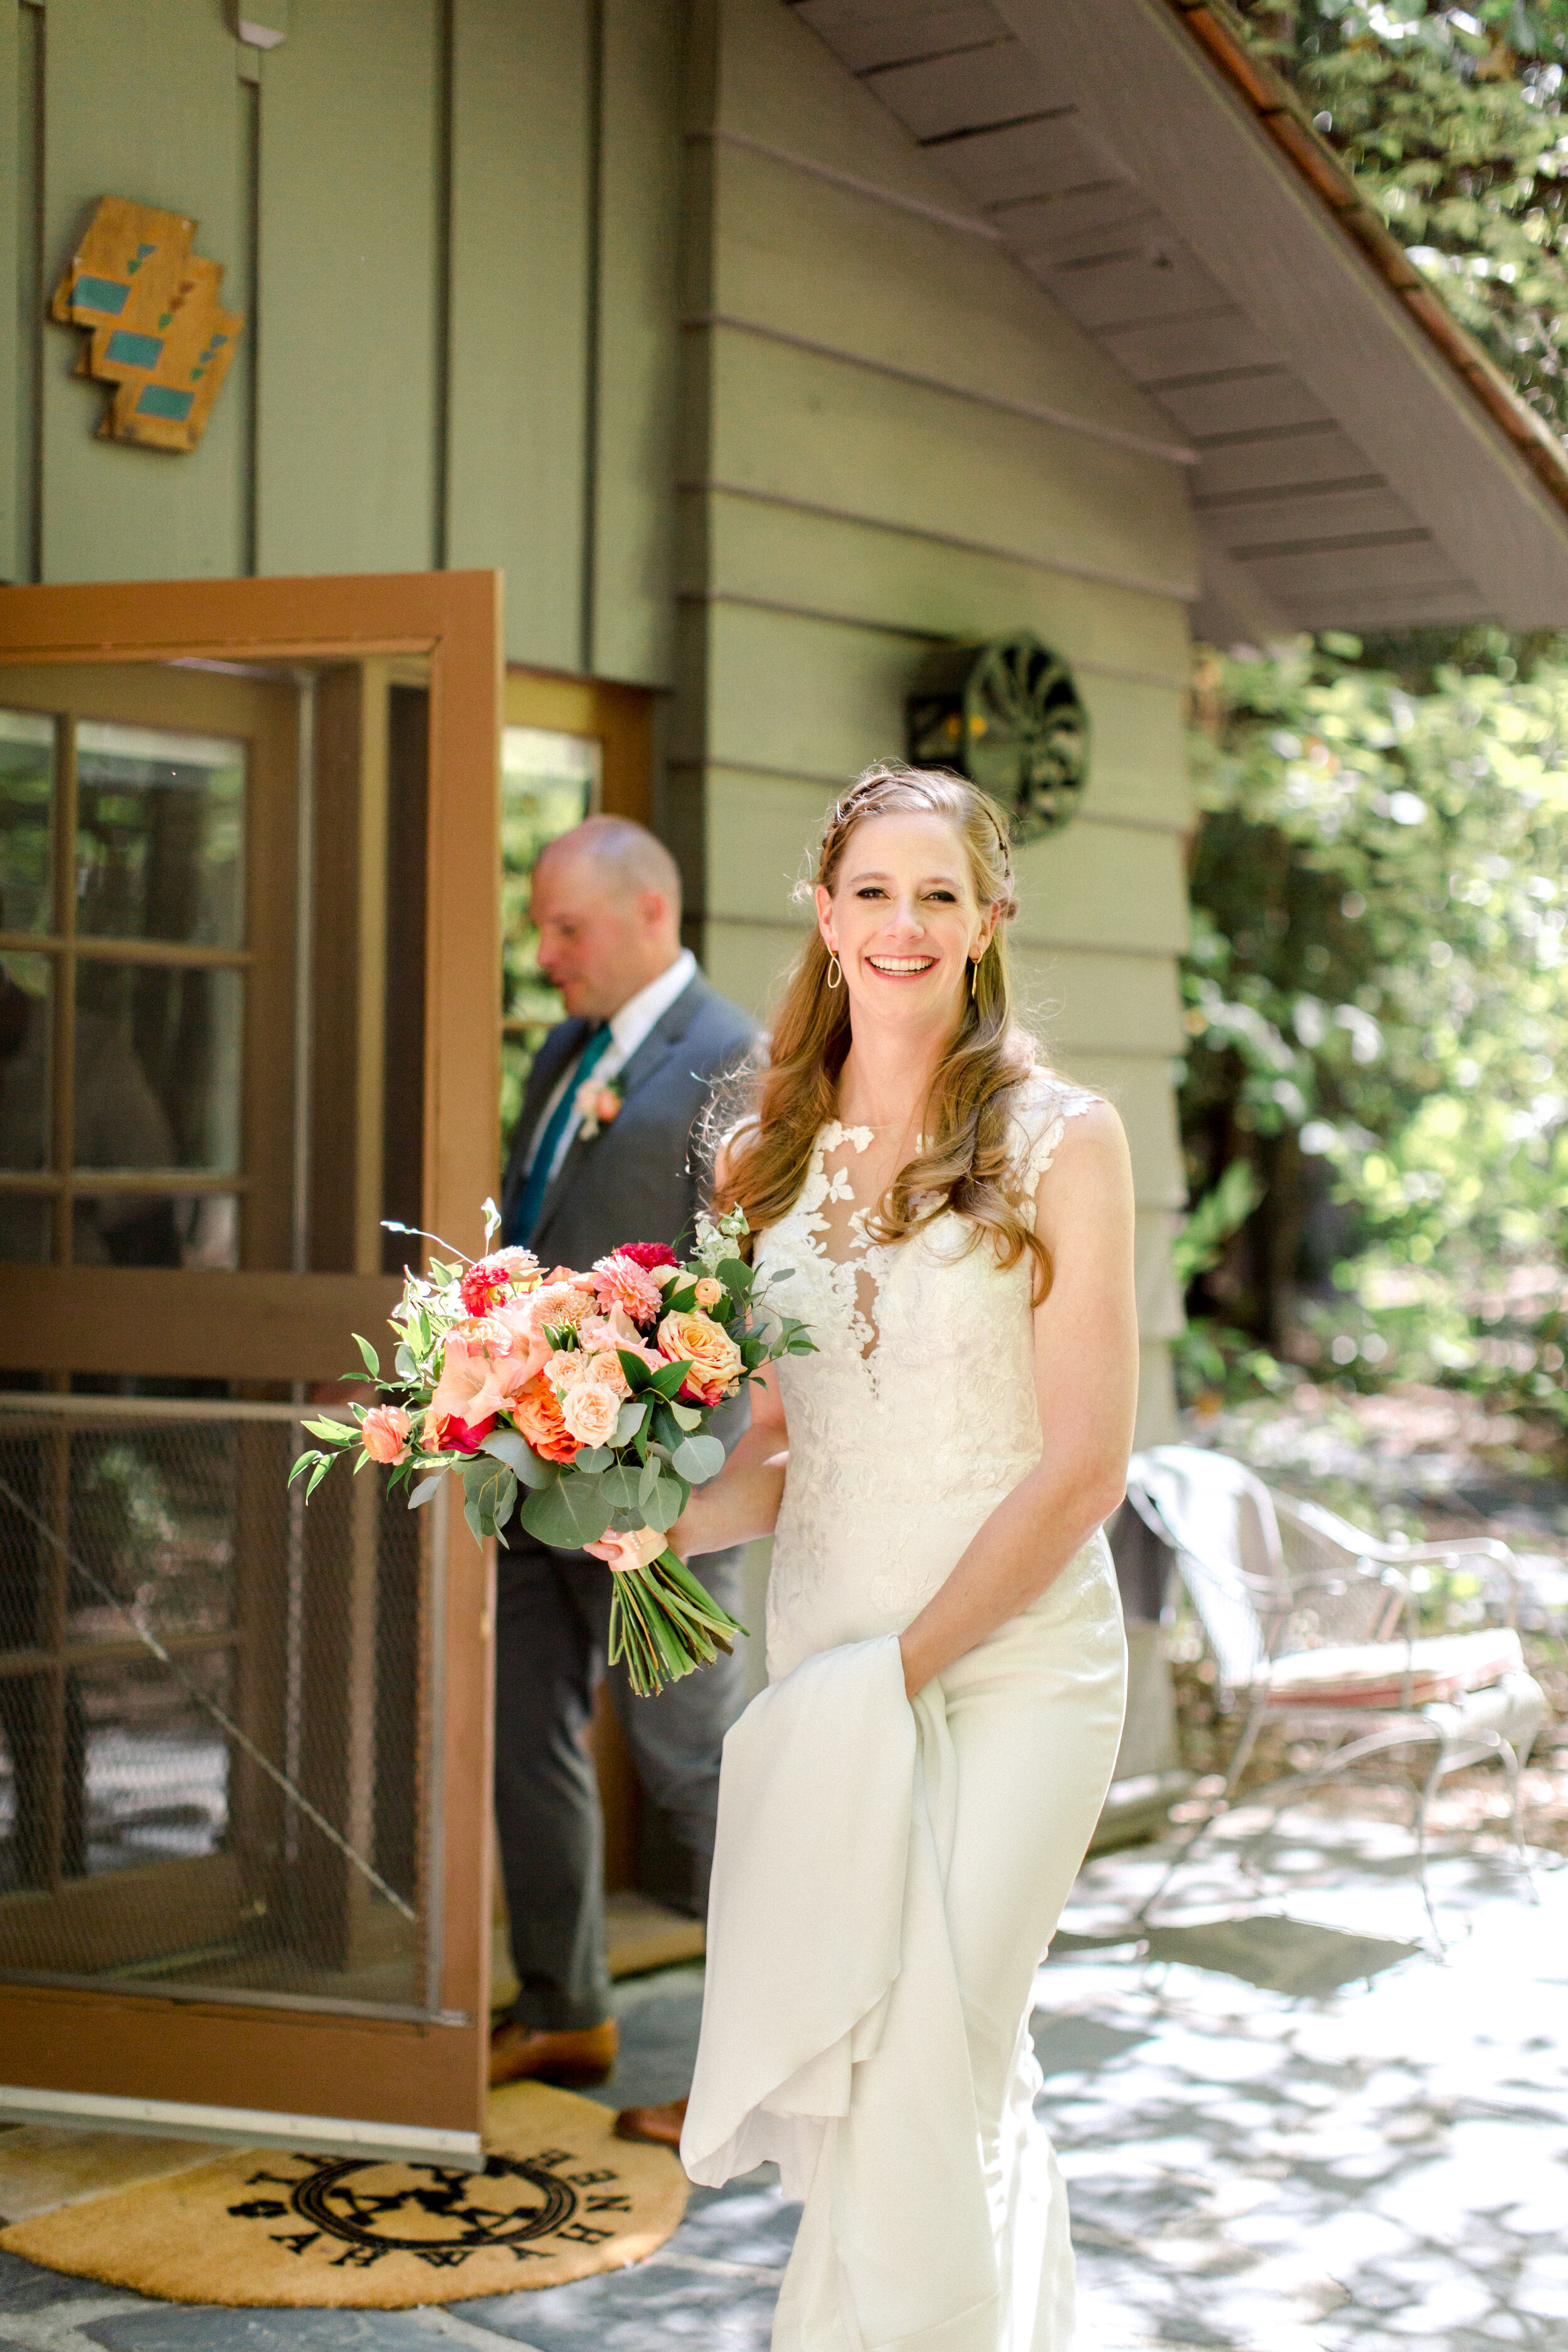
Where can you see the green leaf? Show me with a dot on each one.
(686, 1416)
(594, 1459)
(568, 1514)
(520, 1457)
(666, 1502)
(680, 1301)
(666, 1380)
(343, 1434)
(404, 1363)
(648, 1480)
(699, 1459)
(306, 1462)
(317, 1475)
(639, 1376)
(424, 1493)
(736, 1276)
(621, 1485)
(633, 1415)
(371, 1361)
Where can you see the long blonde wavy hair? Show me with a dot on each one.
(965, 1159)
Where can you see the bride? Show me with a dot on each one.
(904, 1810)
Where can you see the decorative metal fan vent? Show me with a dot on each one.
(1008, 717)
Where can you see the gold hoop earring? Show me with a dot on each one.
(835, 968)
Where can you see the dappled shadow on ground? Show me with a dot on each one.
(1335, 2166)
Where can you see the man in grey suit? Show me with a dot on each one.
(644, 1025)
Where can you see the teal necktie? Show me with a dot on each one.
(564, 1116)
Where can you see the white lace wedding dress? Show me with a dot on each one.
(888, 1875)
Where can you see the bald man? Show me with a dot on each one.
(606, 903)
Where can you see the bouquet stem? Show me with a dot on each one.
(664, 1624)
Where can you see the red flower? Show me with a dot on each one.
(491, 1278)
(455, 1436)
(647, 1254)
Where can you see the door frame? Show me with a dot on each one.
(299, 2076)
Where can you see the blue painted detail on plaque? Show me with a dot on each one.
(127, 350)
(162, 400)
(100, 294)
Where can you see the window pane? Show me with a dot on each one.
(25, 1238)
(160, 836)
(199, 1232)
(157, 1067)
(26, 795)
(24, 1038)
(549, 783)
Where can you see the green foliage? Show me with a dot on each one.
(1452, 121)
(1375, 997)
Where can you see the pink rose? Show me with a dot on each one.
(713, 1355)
(590, 1411)
(620, 1281)
(710, 1291)
(383, 1433)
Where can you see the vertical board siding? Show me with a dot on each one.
(522, 154)
(639, 347)
(16, 178)
(141, 101)
(348, 363)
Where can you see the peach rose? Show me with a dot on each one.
(383, 1433)
(710, 1291)
(566, 1368)
(713, 1355)
(620, 1281)
(590, 1411)
(539, 1419)
(605, 1366)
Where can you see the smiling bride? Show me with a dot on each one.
(904, 1810)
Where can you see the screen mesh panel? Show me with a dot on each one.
(214, 1710)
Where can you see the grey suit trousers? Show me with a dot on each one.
(553, 1613)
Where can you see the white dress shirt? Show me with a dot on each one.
(629, 1027)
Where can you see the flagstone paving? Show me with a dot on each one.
(1334, 2168)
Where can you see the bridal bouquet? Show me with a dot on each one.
(589, 1395)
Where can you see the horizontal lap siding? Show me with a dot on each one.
(893, 440)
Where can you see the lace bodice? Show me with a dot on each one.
(916, 1414)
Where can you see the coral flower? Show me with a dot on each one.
(620, 1281)
(538, 1417)
(383, 1433)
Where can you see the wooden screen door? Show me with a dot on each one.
(248, 937)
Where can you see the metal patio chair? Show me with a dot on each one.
(1313, 1626)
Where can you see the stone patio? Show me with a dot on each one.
(1327, 2167)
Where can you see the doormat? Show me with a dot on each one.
(559, 2198)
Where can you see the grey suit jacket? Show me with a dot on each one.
(637, 1180)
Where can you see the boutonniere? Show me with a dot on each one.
(598, 1105)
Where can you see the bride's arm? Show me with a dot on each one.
(743, 1502)
(1086, 1384)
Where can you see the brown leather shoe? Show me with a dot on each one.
(576, 2061)
(659, 2125)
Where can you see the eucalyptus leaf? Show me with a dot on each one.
(594, 1459)
(666, 1502)
(633, 1415)
(686, 1416)
(568, 1514)
(424, 1493)
(621, 1486)
(520, 1457)
(699, 1459)
(736, 1276)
